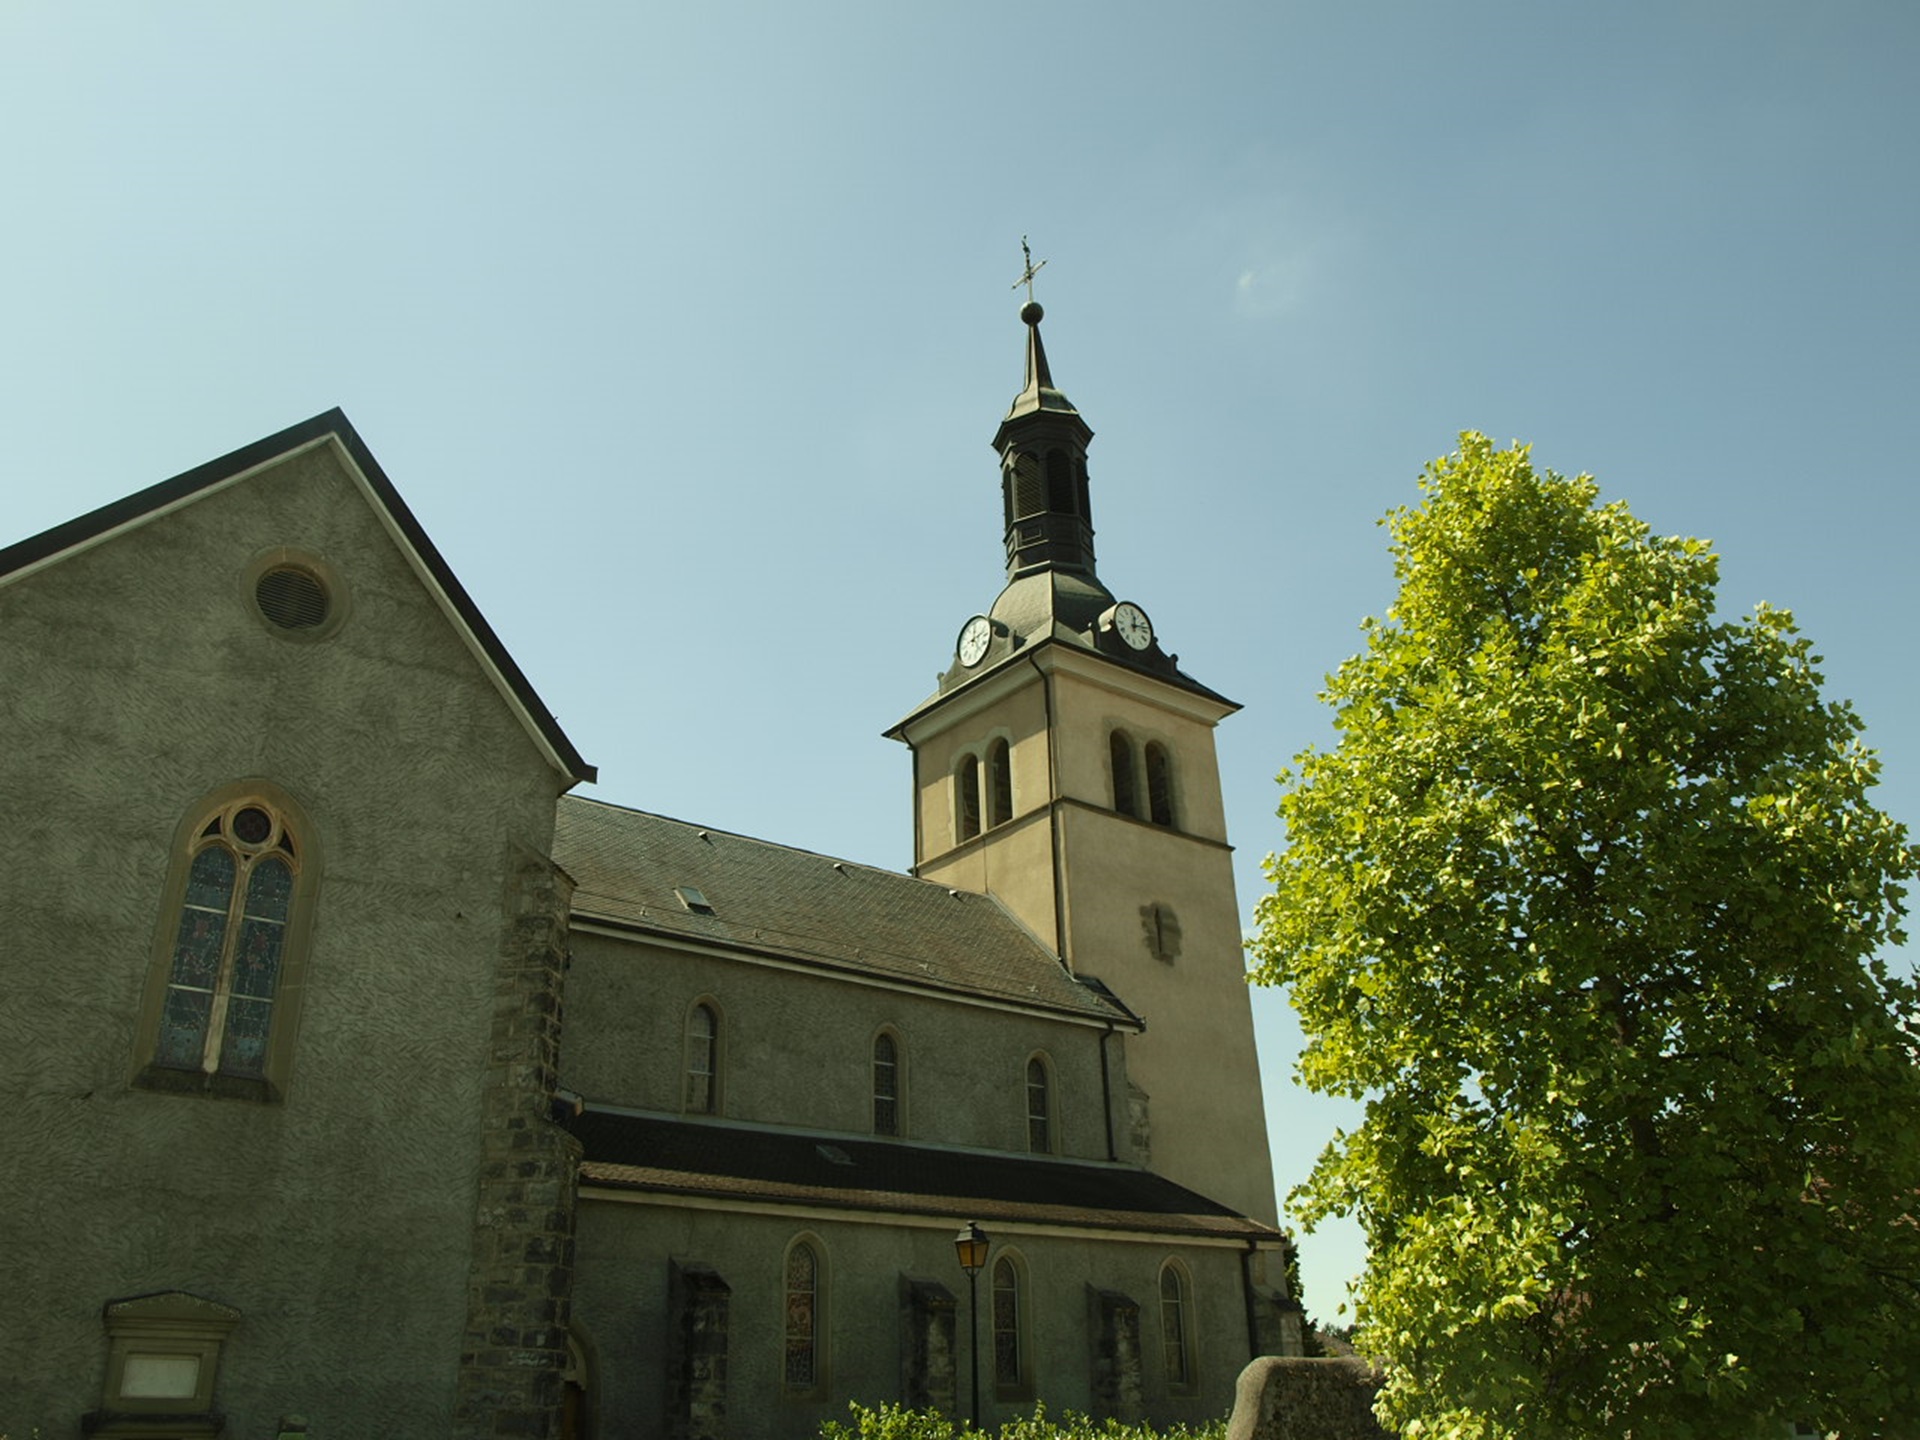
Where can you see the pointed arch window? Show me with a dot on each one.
(999, 783)
(1159, 784)
(886, 1084)
(217, 1019)
(703, 1060)
(1039, 1107)
(803, 1319)
(1176, 1326)
(966, 798)
(1125, 791)
(1012, 1372)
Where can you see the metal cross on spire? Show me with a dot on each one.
(1026, 276)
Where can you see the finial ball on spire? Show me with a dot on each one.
(1031, 312)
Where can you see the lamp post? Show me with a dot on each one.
(970, 1245)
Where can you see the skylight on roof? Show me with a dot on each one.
(693, 899)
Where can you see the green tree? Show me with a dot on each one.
(1587, 904)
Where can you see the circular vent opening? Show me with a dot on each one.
(292, 598)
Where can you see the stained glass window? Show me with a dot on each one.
(1173, 1327)
(1007, 1373)
(217, 1014)
(803, 1301)
(703, 1055)
(886, 1086)
(1039, 1109)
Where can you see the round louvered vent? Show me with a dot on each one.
(291, 598)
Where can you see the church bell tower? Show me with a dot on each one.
(1066, 766)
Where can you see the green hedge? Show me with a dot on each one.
(892, 1422)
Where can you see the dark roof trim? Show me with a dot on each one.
(142, 505)
(745, 1165)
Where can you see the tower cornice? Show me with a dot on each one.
(942, 710)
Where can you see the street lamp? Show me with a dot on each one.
(970, 1245)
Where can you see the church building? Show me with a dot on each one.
(368, 1082)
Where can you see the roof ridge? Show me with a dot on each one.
(700, 829)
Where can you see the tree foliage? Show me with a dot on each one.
(1587, 904)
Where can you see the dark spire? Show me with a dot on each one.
(1043, 470)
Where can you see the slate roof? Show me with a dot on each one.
(687, 1157)
(144, 505)
(801, 906)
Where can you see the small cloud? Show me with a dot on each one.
(1273, 286)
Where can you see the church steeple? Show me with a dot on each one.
(1066, 767)
(1043, 471)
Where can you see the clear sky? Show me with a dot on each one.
(684, 330)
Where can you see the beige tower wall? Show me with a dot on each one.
(1197, 1061)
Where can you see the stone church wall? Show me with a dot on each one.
(338, 1222)
(797, 1050)
(1293, 1398)
(627, 1302)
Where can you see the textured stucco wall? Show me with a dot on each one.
(620, 1304)
(797, 1050)
(138, 680)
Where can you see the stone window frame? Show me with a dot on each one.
(1020, 1386)
(331, 583)
(897, 1063)
(144, 1395)
(293, 840)
(819, 1312)
(580, 1382)
(1043, 1119)
(709, 1066)
(1179, 1350)
(983, 791)
(1142, 777)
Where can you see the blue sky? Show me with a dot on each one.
(685, 329)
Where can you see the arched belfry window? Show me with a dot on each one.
(1159, 784)
(966, 798)
(999, 783)
(1039, 1107)
(803, 1371)
(1059, 482)
(1012, 1365)
(1126, 797)
(217, 1018)
(1176, 1326)
(703, 1060)
(1026, 486)
(886, 1084)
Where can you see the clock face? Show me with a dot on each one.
(975, 636)
(1132, 623)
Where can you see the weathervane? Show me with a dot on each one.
(1026, 276)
